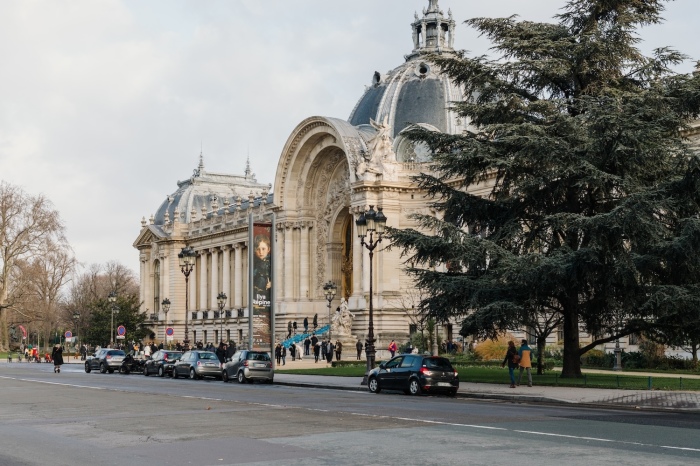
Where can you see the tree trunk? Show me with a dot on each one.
(572, 357)
(541, 342)
(4, 331)
(694, 349)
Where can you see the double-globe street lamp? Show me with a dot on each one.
(187, 258)
(369, 223)
(221, 299)
(166, 308)
(112, 298)
(330, 289)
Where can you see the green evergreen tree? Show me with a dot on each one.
(592, 185)
(126, 313)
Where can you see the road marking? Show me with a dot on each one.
(378, 416)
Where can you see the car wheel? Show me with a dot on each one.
(161, 372)
(145, 371)
(373, 385)
(87, 368)
(414, 387)
(241, 377)
(103, 368)
(269, 381)
(224, 376)
(193, 374)
(174, 375)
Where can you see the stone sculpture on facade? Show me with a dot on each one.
(342, 321)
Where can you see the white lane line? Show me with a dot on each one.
(378, 416)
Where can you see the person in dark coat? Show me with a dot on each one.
(278, 353)
(329, 351)
(358, 346)
(306, 324)
(512, 359)
(57, 357)
(317, 351)
(221, 352)
(307, 347)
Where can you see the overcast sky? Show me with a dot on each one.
(104, 103)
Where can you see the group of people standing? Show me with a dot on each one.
(518, 358)
(322, 349)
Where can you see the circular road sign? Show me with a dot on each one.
(169, 331)
(121, 330)
(69, 334)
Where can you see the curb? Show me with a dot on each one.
(526, 399)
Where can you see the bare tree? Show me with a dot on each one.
(25, 222)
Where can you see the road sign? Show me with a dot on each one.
(120, 337)
(121, 331)
(68, 334)
(169, 331)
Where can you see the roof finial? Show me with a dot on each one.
(201, 162)
(247, 166)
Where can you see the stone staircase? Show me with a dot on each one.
(300, 337)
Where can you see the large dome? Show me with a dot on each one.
(414, 93)
(205, 192)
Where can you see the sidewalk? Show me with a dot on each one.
(676, 401)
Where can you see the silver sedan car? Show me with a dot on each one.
(197, 364)
(248, 366)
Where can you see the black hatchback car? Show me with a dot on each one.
(161, 363)
(414, 374)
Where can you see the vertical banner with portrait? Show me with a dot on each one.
(261, 280)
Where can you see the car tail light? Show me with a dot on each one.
(199, 363)
(269, 364)
(245, 363)
(456, 374)
(109, 356)
(425, 371)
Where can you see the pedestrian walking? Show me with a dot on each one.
(284, 355)
(329, 352)
(317, 351)
(292, 351)
(338, 350)
(57, 357)
(525, 362)
(392, 348)
(512, 358)
(324, 349)
(306, 326)
(278, 353)
(358, 347)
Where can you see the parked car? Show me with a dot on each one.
(248, 366)
(197, 364)
(105, 360)
(414, 374)
(162, 363)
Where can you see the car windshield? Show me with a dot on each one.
(441, 364)
(172, 355)
(258, 357)
(116, 353)
(207, 356)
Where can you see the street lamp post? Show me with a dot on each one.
(330, 289)
(76, 319)
(221, 299)
(187, 258)
(112, 298)
(166, 307)
(370, 222)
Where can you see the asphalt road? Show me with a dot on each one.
(75, 418)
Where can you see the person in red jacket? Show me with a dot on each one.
(392, 348)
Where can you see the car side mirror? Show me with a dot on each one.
(382, 366)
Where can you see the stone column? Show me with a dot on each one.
(424, 28)
(357, 262)
(214, 286)
(304, 274)
(288, 261)
(237, 275)
(144, 280)
(226, 274)
(203, 288)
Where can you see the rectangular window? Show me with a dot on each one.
(412, 328)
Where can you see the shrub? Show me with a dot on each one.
(494, 349)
